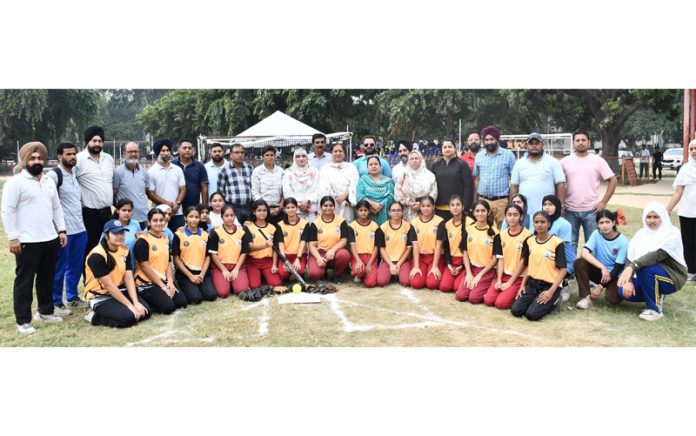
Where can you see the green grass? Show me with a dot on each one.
(359, 317)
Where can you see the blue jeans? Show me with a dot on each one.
(586, 219)
(69, 265)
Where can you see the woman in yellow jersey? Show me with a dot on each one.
(361, 238)
(228, 246)
(262, 259)
(544, 257)
(429, 253)
(396, 240)
(452, 233)
(192, 260)
(295, 233)
(109, 288)
(480, 270)
(508, 251)
(328, 237)
(153, 271)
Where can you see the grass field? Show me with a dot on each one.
(354, 316)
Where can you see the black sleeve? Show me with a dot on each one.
(618, 268)
(411, 237)
(176, 246)
(560, 256)
(525, 252)
(351, 235)
(213, 242)
(278, 237)
(379, 238)
(463, 244)
(247, 239)
(497, 245)
(98, 266)
(442, 232)
(129, 262)
(445, 243)
(344, 230)
(141, 250)
(468, 181)
(312, 233)
(305, 234)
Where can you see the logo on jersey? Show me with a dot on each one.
(186, 243)
(403, 236)
(123, 259)
(285, 233)
(487, 241)
(338, 230)
(320, 231)
(548, 254)
(519, 246)
(372, 235)
(418, 230)
(154, 247)
(387, 238)
(470, 239)
(614, 251)
(434, 230)
(222, 241)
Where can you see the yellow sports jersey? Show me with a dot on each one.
(155, 251)
(426, 232)
(92, 286)
(293, 234)
(543, 260)
(510, 248)
(328, 234)
(395, 241)
(451, 236)
(257, 238)
(229, 246)
(363, 236)
(479, 245)
(191, 248)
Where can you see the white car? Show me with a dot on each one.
(672, 158)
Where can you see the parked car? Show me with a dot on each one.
(672, 158)
(625, 154)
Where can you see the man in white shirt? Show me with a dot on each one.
(71, 258)
(213, 167)
(267, 184)
(95, 172)
(318, 158)
(166, 182)
(644, 161)
(31, 214)
(403, 148)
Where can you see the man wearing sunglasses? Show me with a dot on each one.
(370, 146)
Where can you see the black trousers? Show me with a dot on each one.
(688, 234)
(111, 313)
(527, 305)
(94, 224)
(644, 170)
(37, 259)
(194, 293)
(657, 167)
(160, 301)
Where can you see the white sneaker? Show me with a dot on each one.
(26, 329)
(89, 316)
(584, 303)
(650, 315)
(357, 279)
(61, 311)
(565, 293)
(47, 318)
(691, 278)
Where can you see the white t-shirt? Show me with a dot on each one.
(165, 181)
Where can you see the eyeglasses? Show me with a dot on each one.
(369, 145)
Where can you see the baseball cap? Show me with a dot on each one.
(164, 208)
(114, 226)
(536, 136)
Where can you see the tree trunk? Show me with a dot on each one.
(610, 147)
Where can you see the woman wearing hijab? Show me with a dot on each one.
(561, 228)
(301, 182)
(685, 187)
(339, 180)
(377, 189)
(416, 183)
(525, 221)
(655, 264)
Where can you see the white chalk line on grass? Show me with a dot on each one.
(347, 325)
(408, 293)
(165, 332)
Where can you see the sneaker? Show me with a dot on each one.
(650, 315)
(26, 329)
(89, 316)
(565, 293)
(585, 303)
(77, 303)
(47, 318)
(336, 280)
(357, 279)
(61, 310)
(691, 278)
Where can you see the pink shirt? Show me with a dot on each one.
(583, 177)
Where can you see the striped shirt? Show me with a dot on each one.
(235, 184)
(494, 172)
(95, 179)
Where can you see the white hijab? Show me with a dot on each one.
(687, 173)
(666, 237)
(417, 182)
(304, 175)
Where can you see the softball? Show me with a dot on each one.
(296, 288)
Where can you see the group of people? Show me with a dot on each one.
(645, 157)
(483, 225)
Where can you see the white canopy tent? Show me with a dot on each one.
(279, 130)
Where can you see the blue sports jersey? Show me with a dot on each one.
(562, 228)
(608, 252)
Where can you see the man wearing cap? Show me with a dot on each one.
(195, 174)
(214, 166)
(130, 181)
(537, 175)
(31, 214)
(234, 182)
(492, 171)
(95, 171)
(318, 158)
(370, 144)
(166, 182)
(584, 173)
